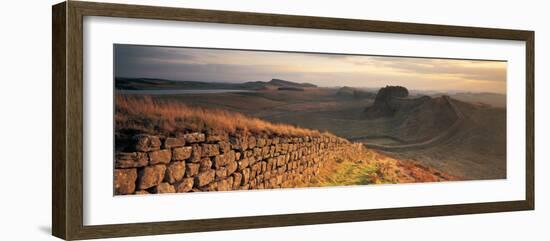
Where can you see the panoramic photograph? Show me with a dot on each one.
(202, 119)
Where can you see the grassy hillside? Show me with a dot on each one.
(148, 115)
(367, 166)
(477, 151)
(495, 100)
(144, 114)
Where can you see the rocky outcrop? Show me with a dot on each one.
(383, 105)
(196, 162)
(389, 92)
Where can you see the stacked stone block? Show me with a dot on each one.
(197, 162)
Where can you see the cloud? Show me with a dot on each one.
(466, 69)
(321, 69)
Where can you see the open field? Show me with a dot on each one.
(320, 109)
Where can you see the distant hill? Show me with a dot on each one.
(471, 144)
(493, 99)
(350, 92)
(465, 138)
(278, 84)
(285, 83)
(160, 84)
(417, 118)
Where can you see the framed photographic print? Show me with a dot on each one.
(213, 120)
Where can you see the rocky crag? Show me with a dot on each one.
(384, 103)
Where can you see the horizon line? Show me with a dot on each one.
(332, 86)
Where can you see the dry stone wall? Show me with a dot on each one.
(195, 162)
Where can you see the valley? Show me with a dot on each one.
(463, 136)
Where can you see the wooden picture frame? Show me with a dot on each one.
(67, 77)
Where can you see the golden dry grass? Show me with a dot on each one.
(145, 114)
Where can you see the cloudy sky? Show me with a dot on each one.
(236, 66)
